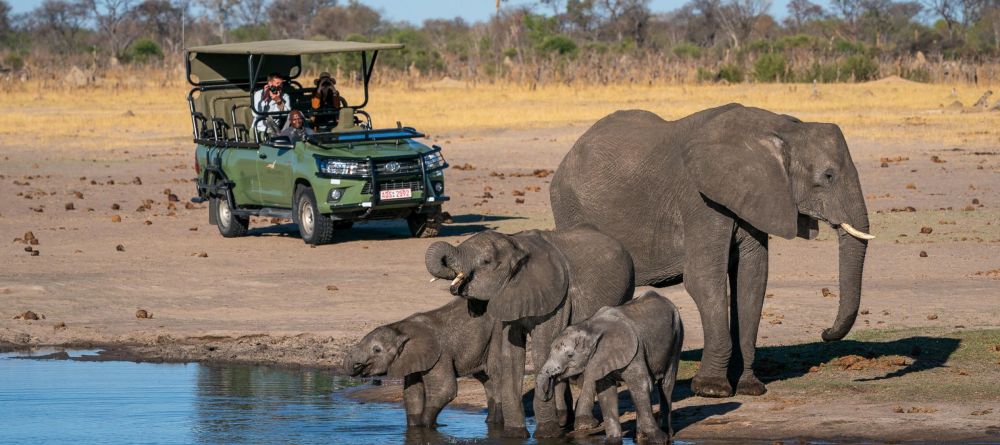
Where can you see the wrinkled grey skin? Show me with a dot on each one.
(429, 351)
(638, 343)
(694, 200)
(534, 282)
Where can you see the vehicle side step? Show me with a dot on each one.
(198, 200)
(269, 212)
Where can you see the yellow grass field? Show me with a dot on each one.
(885, 111)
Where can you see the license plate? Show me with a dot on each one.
(395, 194)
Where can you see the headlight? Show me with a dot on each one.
(433, 160)
(339, 167)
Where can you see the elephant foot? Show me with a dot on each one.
(711, 386)
(655, 437)
(515, 432)
(494, 416)
(563, 416)
(414, 421)
(612, 440)
(549, 430)
(585, 422)
(750, 386)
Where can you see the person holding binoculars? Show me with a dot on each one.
(270, 99)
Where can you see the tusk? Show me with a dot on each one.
(433, 280)
(855, 232)
(458, 279)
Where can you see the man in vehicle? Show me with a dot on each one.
(295, 129)
(270, 99)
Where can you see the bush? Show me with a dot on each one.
(143, 50)
(861, 68)
(824, 73)
(769, 67)
(730, 73)
(917, 75)
(13, 62)
(558, 44)
(687, 50)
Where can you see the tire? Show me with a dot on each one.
(230, 225)
(424, 225)
(315, 228)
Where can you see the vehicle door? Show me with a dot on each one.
(241, 168)
(274, 173)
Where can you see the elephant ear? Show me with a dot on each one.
(616, 347)
(418, 349)
(748, 175)
(537, 281)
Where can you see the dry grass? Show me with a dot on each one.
(882, 111)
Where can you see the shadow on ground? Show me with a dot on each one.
(776, 363)
(462, 225)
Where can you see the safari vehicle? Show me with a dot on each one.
(346, 171)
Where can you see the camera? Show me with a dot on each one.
(274, 89)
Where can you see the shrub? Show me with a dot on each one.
(560, 44)
(13, 62)
(917, 75)
(730, 73)
(860, 67)
(687, 50)
(825, 73)
(143, 50)
(769, 67)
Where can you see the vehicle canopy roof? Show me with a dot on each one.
(230, 63)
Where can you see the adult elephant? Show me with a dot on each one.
(694, 200)
(534, 282)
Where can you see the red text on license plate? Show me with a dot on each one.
(395, 194)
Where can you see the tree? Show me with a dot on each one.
(801, 12)
(219, 12)
(114, 20)
(289, 18)
(164, 20)
(738, 17)
(4, 19)
(338, 22)
(60, 23)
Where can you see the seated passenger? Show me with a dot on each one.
(270, 99)
(296, 128)
(326, 100)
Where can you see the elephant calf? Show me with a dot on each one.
(430, 350)
(638, 343)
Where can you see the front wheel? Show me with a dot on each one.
(230, 225)
(313, 226)
(424, 225)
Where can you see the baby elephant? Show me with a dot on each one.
(639, 343)
(429, 351)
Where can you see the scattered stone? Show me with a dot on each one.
(115, 206)
(519, 201)
(28, 315)
(898, 409)
(137, 181)
(116, 218)
(926, 230)
(982, 412)
(969, 208)
(487, 195)
(70, 206)
(921, 410)
(464, 167)
(78, 195)
(885, 165)
(28, 249)
(937, 159)
(542, 173)
(193, 229)
(120, 248)
(172, 198)
(147, 222)
(932, 317)
(332, 288)
(864, 312)
(911, 186)
(142, 313)
(200, 254)
(517, 193)
(140, 209)
(188, 205)
(923, 254)
(128, 113)
(826, 293)
(35, 253)
(59, 326)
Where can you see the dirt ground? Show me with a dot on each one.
(111, 242)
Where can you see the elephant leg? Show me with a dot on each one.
(545, 410)
(749, 273)
(608, 399)
(564, 403)
(585, 406)
(636, 376)
(440, 388)
(512, 381)
(413, 399)
(493, 414)
(705, 270)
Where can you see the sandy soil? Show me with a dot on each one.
(270, 298)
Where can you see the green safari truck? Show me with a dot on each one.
(325, 174)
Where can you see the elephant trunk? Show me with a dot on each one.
(852, 252)
(440, 258)
(544, 382)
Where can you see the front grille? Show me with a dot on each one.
(406, 166)
(393, 185)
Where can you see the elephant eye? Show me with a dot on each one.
(569, 354)
(829, 175)
(376, 349)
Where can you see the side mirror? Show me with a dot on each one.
(282, 142)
